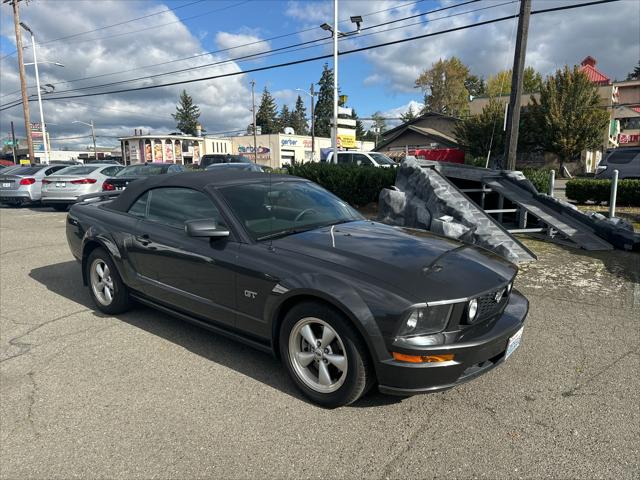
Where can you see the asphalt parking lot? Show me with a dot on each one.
(143, 395)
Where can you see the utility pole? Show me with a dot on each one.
(255, 127)
(313, 125)
(513, 114)
(23, 77)
(13, 144)
(334, 131)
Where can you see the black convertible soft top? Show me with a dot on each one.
(196, 180)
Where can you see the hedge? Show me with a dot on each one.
(582, 190)
(355, 184)
(539, 177)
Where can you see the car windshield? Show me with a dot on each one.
(381, 159)
(10, 169)
(142, 170)
(285, 207)
(77, 170)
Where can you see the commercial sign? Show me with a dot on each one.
(264, 153)
(36, 137)
(346, 138)
(625, 138)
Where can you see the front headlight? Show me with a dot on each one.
(424, 321)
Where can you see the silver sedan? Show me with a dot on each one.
(64, 188)
(24, 184)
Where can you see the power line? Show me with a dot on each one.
(112, 25)
(267, 53)
(322, 57)
(122, 23)
(244, 45)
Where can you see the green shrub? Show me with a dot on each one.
(356, 185)
(582, 190)
(539, 177)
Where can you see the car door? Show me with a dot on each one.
(192, 274)
(360, 159)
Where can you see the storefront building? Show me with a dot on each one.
(183, 149)
(279, 149)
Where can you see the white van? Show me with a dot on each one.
(372, 159)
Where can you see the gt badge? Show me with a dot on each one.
(250, 294)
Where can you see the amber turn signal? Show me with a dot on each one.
(402, 357)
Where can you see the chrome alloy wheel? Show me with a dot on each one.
(317, 355)
(101, 282)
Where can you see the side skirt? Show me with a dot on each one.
(213, 328)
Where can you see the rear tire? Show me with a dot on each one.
(107, 290)
(337, 370)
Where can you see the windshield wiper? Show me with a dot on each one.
(306, 228)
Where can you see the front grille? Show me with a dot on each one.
(489, 307)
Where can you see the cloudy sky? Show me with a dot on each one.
(123, 42)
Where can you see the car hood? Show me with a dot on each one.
(426, 266)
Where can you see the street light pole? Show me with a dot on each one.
(43, 128)
(312, 94)
(337, 33)
(255, 128)
(23, 77)
(313, 125)
(93, 134)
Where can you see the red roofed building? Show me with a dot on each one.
(588, 66)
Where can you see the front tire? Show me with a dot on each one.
(107, 290)
(324, 355)
(58, 207)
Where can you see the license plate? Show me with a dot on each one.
(61, 184)
(514, 342)
(6, 185)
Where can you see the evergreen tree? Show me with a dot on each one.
(267, 115)
(475, 85)
(635, 75)
(444, 87)
(299, 118)
(323, 111)
(409, 115)
(360, 133)
(284, 119)
(187, 114)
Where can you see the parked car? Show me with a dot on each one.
(65, 186)
(278, 262)
(372, 159)
(24, 184)
(124, 177)
(626, 160)
(213, 159)
(248, 167)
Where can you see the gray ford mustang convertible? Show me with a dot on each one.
(281, 264)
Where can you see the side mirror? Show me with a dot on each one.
(205, 228)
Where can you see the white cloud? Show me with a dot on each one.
(231, 41)
(286, 96)
(224, 102)
(555, 38)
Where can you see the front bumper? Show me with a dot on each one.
(471, 358)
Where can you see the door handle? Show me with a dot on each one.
(143, 239)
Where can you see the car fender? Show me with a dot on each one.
(336, 292)
(106, 241)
